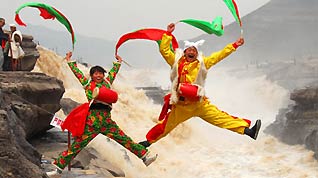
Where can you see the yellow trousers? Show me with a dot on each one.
(183, 111)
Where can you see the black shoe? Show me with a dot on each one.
(253, 132)
(145, 143)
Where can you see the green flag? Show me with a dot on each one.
(214, 27)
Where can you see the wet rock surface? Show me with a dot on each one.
(27, 101)
(298, 124)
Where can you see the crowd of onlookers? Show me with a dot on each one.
(11, 52)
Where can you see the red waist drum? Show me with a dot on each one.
(189, 91)
(105, 95)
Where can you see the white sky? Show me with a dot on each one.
(109, 19)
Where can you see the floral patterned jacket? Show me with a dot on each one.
(88, 84)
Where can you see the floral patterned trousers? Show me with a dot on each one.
(99, 121)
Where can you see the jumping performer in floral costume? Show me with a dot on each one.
(187, 97)
(88, 120)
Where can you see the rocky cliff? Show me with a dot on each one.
(298, 124)
(27, 103)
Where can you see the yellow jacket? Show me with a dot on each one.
(190, 70)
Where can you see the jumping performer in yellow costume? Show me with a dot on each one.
(187, 97)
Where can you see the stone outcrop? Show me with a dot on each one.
(68, 105)
(298, 124)
(90, 159)
(31, 53)
(27, 103)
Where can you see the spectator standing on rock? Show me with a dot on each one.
(3, 39)
(7, 64)
(7, 60)
(15, 50)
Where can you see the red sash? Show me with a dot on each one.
(75, 121)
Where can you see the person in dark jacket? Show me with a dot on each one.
(3, 40)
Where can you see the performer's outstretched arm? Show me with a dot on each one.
(77, 72)
(113, 72)
(165, 45)
(218, 56)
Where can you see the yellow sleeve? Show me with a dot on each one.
(218, 56)
(165, 49)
